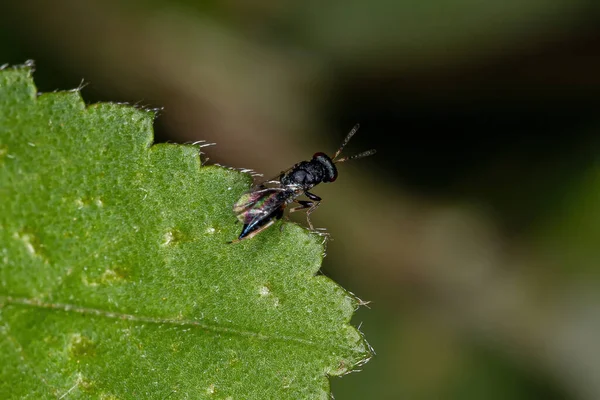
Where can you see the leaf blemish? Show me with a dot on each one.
(87, 282)
(168, 238)
(111, 276)
(81, 346)
(31, 243)
(211, 389)
(264, 291)
(172, 237)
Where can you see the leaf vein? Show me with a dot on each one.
(64, 307)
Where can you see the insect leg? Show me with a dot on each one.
(311, 205)
(310, 211)
(303, 205)
(312, 196)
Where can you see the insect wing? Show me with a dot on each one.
(254, 206)
(246, 201)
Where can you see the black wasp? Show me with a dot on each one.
(264, 204)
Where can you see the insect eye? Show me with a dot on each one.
(319, 154)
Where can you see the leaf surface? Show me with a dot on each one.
(116, 281)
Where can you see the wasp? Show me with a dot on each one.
(265, 203)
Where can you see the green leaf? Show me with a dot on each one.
(116, 281)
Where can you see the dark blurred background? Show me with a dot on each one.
(474, 230)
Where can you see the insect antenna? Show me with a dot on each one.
(359, 155)
(345, 142)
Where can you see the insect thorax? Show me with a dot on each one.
(310, 173)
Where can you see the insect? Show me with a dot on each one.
(265, 203)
